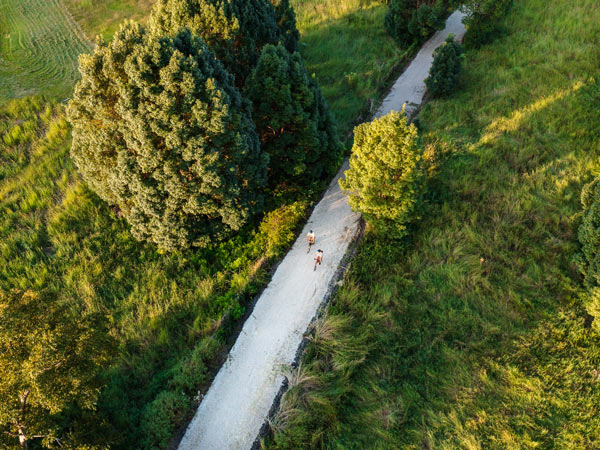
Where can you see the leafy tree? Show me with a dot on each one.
(286, 22)
(384, 180)
(49, 361)
(446, 68)
(409, 21)
(294, 124)
(235, 30)
(160, 132)
(482, 19)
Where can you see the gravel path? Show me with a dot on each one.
(236, 405)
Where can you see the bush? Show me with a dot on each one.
(384, 181)
(409, 21)
(589, 237)
(292, 119)
(482, 20)
(160, 131)
(446, 69)
(161, 417)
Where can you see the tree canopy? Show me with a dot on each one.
(160, 131)
(49, 361)
(294, 124)
(385, 176)
(235, 30)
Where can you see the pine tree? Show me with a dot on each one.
(235, 30)
(446, 69)
(384, 180)
(160, 131)
(286, 22)
(49, 362)
(294, 124)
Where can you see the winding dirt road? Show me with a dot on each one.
(236, 406)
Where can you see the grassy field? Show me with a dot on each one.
(102, 17)
(39, 45)
(472, 335)
(344, 43)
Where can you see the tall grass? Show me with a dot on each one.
(473, 334)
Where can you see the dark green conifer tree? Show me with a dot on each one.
(235, 30)
(286, 22)
(294, 124)
(446, 69)
(160, 131)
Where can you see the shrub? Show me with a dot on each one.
(446, 69)
(161, 417)
(589, 237)
(409, 21)
(482, 20)
(384, 181)
(292, 118)
(426, 20)
(160, 131)
(235, 30)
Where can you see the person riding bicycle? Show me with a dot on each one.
(319, 257)
(310, 237)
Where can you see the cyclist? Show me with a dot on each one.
(318, 258)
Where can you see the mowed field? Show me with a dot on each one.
(39, 46)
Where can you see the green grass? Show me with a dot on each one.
(344, 43)
(39, 46)
(103, 17)
(473, 335)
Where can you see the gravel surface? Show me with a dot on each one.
(237, 404)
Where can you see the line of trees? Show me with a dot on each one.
(186, 125)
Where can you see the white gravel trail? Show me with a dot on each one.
(237, 404)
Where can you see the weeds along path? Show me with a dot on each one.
(242, 394)
(39, 46)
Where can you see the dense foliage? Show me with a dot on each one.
(50, 361)
(235, 30)
(286, 22)
(292, 119)
(483, 19)
(473, 333)
(589, 237)
(385, 176)
(446, 69)
(160, 131)
(409, 21)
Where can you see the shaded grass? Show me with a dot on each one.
(473, 334)
(39, 46)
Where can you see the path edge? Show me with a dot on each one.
(335, 282)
